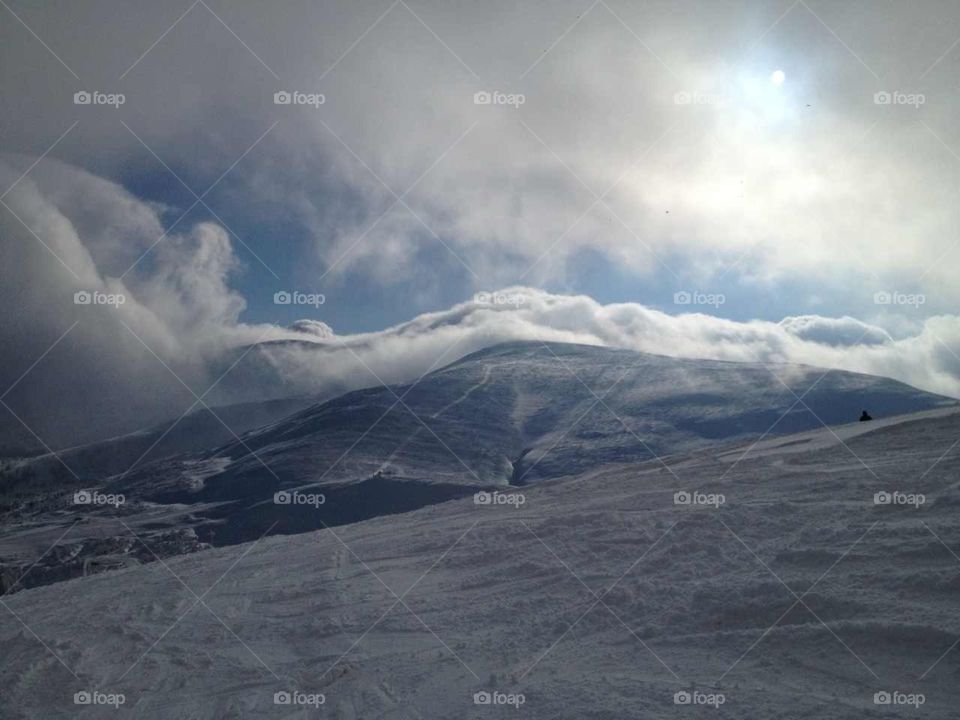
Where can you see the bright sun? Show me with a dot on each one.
(777, 77)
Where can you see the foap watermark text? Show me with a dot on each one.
(896, 97)
(685, 297)
(95, 497)
(295, 697)
(699, 499)
(95, 697)
(895, 497)
(895, 697)
(885, 297)
(295, 297)
(95, 97)
(498, 498)
(295, 97)
(499, 98)
(293, 497)
(95, 297)
(695, 97)
(495, 697)
(696, 697)
(500, 299)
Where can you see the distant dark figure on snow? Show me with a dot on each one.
(865, 416)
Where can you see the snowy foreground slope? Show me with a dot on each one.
(785, 588)
(511, 415)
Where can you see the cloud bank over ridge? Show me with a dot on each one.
(124, 366)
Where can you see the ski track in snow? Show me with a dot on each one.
(487, 368)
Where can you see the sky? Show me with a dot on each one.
(747, 180)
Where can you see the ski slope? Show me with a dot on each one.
(596, 597)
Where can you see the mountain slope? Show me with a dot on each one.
(199, 430)
(599, 597)
(522, 412)
(511, 415)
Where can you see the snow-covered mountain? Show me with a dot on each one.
(196, 431)
(522, 412)
(813, 575)
(510, 415)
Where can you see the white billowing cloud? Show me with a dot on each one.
(112, 224)
(807, 182)
(316, 328)
(189, 289)
(121, 365)
(844, 331)
(404, 352)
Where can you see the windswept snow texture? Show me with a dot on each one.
(598, 596)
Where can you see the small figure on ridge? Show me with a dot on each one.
(865, 416)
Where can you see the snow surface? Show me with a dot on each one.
(597, 597)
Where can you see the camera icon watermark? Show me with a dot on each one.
(95, 297)
(498, 498)
(295, 97)
(295, 297)
(95, 97)
(883, 97)
(496, 97)
(95, 497)
(294, 497)
(699, 499)
(95, 697)
(894, 297)
(685, 297)
(494, 697)
(295, 697)
(895, 497)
